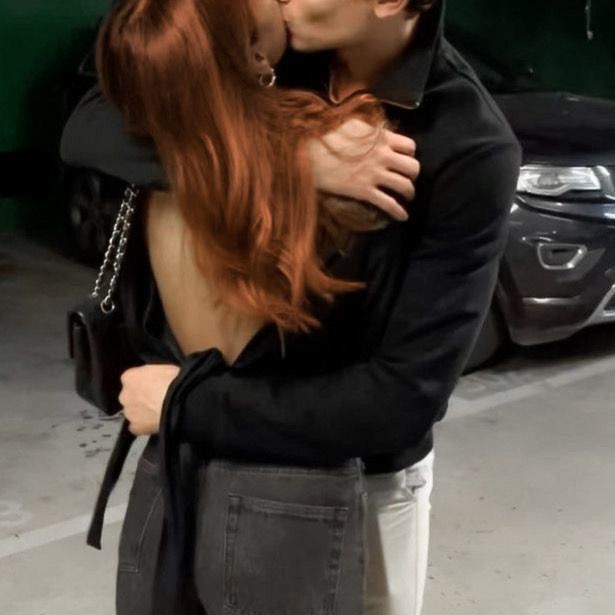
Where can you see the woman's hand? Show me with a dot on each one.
(142, 394)
(368, 161)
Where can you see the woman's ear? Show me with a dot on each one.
(260, 62)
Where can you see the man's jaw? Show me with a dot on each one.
(292, 40)
(296, 43)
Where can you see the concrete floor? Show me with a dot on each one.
(523, 500)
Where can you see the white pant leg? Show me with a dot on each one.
(397, 532)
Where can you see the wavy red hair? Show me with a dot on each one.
(234, 151)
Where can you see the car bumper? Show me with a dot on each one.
(557, 275)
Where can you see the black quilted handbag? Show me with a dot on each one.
(98, 340)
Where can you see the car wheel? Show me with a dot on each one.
(491, 342)
(90, 216)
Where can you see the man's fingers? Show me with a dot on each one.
(124, 374)
(406, 165)
(387, 204)
(400, 143)
(136, 432)
(399, 184)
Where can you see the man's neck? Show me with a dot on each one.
(359, 66)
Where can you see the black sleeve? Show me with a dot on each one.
(389, 402)
(95, 137)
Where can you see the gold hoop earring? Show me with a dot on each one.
(267, 80)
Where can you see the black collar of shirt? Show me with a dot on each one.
(403, 84)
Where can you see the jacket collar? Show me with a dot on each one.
(403, 84)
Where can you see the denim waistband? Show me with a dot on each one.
(350, 467)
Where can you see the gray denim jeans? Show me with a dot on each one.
(270, 539)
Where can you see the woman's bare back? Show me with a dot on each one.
(188, 298)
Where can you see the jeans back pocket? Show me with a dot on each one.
(282, 558)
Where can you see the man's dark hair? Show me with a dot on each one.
(417, 6)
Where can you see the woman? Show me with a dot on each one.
(251, 240)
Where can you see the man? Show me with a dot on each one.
(430, 279)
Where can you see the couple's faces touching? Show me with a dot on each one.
(316, 25)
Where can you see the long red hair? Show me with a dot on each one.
(234, 151)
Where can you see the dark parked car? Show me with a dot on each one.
(558, 272)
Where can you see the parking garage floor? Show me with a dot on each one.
(523, 503)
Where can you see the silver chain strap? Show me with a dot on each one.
(117, 244)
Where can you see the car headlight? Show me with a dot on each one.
(555, 181)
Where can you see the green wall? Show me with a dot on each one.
(41, 43)
(549, 36)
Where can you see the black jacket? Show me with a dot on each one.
(374, 380)
(378, 375)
